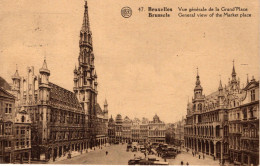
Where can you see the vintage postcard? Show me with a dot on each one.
(129, 82)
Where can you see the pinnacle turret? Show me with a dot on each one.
(16, 74)
(220, 85)
(44, 68)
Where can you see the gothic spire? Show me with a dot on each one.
(75, 70)
(105, 103)
(220, 85)
(233, 71)
(85, 24)
(198, 78)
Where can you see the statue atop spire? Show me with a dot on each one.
(234, 79)
(44, 68)
(220, 84)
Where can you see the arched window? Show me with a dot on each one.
(194, 107)
(23, 118)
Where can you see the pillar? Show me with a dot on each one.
(221, 151)
(52, 153)
(29, 157)
(201, 146)
(197, 145)
(209, 148)
(62, 150)
(242, 158)
(215, 151)
(249, 159)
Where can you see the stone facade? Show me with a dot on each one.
(144, 131)
(15, 131)
(111, 130)
(118, 129)
(244, 127)
(126, 130)
(135, 130)
(209, 126)
(156, 130)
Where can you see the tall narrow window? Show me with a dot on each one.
(85, 77)
(252, 95)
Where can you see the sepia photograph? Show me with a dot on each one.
(129, 82)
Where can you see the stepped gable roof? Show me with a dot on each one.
(4, 84)
(63, 97)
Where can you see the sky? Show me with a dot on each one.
(145, 66)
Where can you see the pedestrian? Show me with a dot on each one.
(106, 152)
(199, 156)
(187, 164)
(181, 162)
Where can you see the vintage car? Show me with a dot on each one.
(134, 161)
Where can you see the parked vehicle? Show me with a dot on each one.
(133, 161)
(134, 149)
(151, 161)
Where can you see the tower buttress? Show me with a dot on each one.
(16, 84)
(220, 94)
(44, 97)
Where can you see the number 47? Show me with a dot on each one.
(141, 9)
